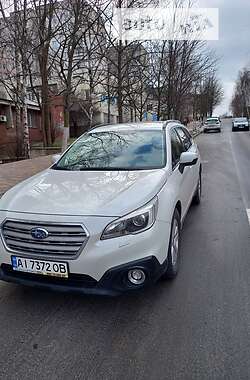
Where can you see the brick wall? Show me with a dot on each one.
(8, 131)
(7, 135)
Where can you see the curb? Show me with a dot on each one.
(196, 133)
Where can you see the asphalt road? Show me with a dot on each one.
(196, 327)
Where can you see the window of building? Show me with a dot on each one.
(30, 124)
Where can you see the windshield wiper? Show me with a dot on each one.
(56, 167)
(103, 169)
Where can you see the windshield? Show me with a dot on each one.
(212, 121)
(240, 119)
(116, 150)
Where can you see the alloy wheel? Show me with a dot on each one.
(175, 243)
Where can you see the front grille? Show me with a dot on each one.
(64, 240)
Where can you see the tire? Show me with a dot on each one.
(197, 195)
(173, 248)
(233, 129)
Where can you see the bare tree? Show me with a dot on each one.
(121, 54)
(16, 55)
(93, 72)
(75, 59)
(71, 47)
(210, 94)
(44, 29)
(175, 69)
(240, 103)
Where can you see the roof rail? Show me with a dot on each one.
(100, 125)
(171, 121)
(165, 123)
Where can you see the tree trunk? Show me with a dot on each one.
(46, 127)
(18, 94)
(108, 93)
(26, 138)
(66, 123)
(91, 116)
(119, 83)
(159, 107)
(19, 132)
(131, 115)
(141, 114)
(19, 129)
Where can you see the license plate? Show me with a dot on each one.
(42, 267)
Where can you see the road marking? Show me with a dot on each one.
(248, 214)
(242, 190)
(243, 194)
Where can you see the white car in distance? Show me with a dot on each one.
(212, 124)
(106, 218)
(239, 124)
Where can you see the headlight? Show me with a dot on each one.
(133, 223)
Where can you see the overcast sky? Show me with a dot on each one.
(233, 47)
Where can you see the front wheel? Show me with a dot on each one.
(197, 195)
(173, 248)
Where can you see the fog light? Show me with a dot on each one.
(136, 276)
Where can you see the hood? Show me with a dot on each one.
(103, 193)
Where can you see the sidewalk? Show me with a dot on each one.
(11, 174)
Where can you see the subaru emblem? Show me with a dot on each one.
(39, 233)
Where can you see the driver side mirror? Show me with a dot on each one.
(187, 159)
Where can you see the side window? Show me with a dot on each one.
(188, 134)
(176, 148)
(189, 137)
(185, 139)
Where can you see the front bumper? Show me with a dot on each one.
(212, 128)
(113, 282)
(241, 127)
(100, 266)
(98, 256)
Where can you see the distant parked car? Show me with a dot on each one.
(212, 124)
(240, 123)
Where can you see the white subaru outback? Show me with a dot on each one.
(106, 217)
